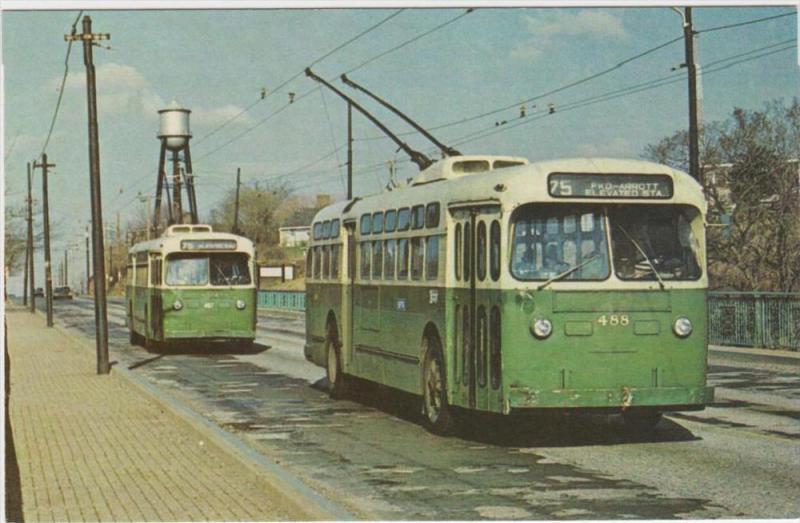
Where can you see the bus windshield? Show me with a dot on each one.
(198, 269)
(554, 240)
(650, 238)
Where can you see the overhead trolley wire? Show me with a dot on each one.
(63, 83)
(295, 76)
(747, 22)
(709, 68)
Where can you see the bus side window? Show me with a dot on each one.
(389, 259)
(432, 258)
(326, 262)
(467, 251)
(480, 251)
(377, 259)
(317, 262)
(141, 274)
(417, 258)
(418, 217)
(365, 259)
(432, 215)
(494, 250)
(335, 261)
(402, 259)
(309, 256)
(403, 219)
(457, 253)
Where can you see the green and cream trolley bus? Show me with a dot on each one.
(496, 285)
(192, 284)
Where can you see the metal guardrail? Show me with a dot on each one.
(282, 300)
(743, 319)
(754, 319)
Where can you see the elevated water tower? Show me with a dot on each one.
(174, 134)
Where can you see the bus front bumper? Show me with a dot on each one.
(668, 398)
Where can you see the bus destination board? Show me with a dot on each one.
(632, 186)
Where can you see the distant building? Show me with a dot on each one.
(294, 236)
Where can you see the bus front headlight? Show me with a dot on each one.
(682, 327)
(177, 305)
(541, 328)
(240, 304)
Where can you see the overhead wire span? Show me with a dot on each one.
(63, 83)
(298, 74)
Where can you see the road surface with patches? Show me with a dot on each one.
(738, 458)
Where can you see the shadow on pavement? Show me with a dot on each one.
(208, 349)
(13, 493)
(526, 429)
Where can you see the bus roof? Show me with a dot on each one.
(515, 184)
(170, 240)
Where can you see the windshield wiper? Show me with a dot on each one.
(224, 277)
(646, 257)
(567, 272)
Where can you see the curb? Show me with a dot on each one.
(290, 486)
(759, 355)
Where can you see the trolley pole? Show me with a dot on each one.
(349, 151)
(100, 308)
(30, 243)
(48, 275)
(236, 206)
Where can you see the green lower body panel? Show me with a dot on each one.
(671, 398)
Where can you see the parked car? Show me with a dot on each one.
(38, 292)
(62, 293)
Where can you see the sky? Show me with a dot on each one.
(460, 66)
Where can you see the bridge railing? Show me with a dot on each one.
(282, 300)
(754, 319)
(744, 319)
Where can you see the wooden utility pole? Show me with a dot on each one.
(48, 275)
(100, 308)
(88, 272)
(691, 67)
(31, 250)
(236, 205)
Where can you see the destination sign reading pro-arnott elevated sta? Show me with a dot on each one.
(636, 186)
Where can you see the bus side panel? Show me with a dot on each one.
(315, 323)
(205, 313)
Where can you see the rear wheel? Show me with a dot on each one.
(337, 381)
(439, 418)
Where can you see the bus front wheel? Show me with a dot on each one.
(337, 382)
(438, 416)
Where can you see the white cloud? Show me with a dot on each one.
(549, 24)
(549, 27)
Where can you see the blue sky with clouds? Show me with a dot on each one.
(216, 62)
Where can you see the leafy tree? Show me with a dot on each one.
(752, 182)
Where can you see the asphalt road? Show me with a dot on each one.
(738, 458)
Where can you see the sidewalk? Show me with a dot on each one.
(96, 448)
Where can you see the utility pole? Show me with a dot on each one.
(30, 242)
(100, 310)
(48, 275)
(349, 151)
(66, 266)
(146, 200)
(236, 206)
(88, 273)
(691, 68)
(27, 244)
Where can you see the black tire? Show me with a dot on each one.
(641, 421)
(439, 418)
(337, 380)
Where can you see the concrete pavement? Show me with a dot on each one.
(97, 448)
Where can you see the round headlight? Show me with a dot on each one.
(541, 328)
(177, 305)
(240, 304)
(682, 327)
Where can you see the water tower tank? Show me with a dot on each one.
(174, 126)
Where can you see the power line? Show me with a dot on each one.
(409, 41)
(333, 137)
(73, 30)
(748, 22)
(286, 82)
(645, 86)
